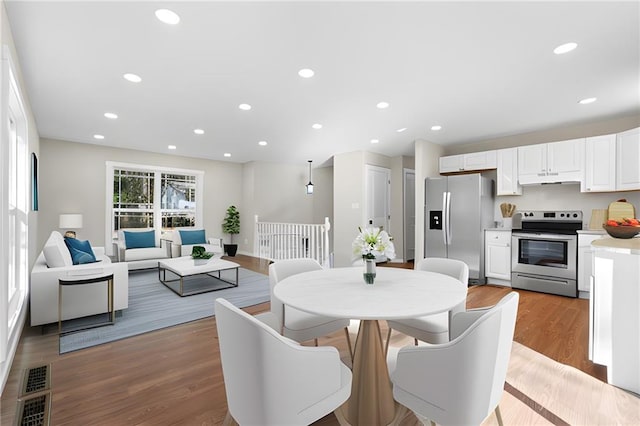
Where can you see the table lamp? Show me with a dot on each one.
(70, 221)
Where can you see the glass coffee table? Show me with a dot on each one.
(184, 273)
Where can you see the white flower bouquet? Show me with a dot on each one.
(373, 242)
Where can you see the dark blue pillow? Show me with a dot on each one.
(81, 251)
(193, 237)
(141, 239)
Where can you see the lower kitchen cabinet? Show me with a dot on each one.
(614, 311)
(585, 259)
(498, 256)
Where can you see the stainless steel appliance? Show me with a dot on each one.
(457, 210)
(544, 254)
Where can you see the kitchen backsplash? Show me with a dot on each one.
(562, 197)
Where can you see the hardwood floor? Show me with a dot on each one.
(173, 376)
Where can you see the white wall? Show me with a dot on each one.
(596, 128)
(276, 193)
(6, 42)
(73, 180)
(349, 198)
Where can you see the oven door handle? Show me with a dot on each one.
(541, 236)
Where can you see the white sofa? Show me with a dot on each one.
(144, 257)
(54, 263)
(213, 244)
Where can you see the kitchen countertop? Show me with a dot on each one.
(592, 231)
(618, 245)
(498, 229)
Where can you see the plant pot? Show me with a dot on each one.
(231, 249)
(200, 261)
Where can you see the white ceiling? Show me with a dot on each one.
(480, 70)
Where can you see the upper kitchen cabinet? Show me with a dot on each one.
(551, 162)
(507, 173)
(628, 159)
(474, 161)
(600, 164)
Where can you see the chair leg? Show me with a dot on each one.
(346, 332)
(229, 420)
(499, 416)
(315, 341)
(415, 341)
(386, 345)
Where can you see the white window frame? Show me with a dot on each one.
(14, 214)
(111, 166)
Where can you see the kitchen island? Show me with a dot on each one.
(614, 319)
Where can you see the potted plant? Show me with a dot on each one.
(231, 226)
(200, 256)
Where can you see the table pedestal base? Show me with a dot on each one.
(371, 401)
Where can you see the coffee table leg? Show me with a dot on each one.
(371, 401)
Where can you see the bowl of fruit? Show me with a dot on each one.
(625, 228)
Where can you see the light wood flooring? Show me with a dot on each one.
(173, 376)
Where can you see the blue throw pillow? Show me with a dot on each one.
(141, 239)
(81, 251)
(193, 237)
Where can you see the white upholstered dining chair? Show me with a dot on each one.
(432, 328)
(459, 382)
(272, 380)
(301, 326)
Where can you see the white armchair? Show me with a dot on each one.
(433, 328)
(301, 326)
(272, 380)
(194, 237)
(459, 382)
(141, 248)
(54, 263)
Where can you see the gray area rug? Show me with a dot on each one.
(153, 306)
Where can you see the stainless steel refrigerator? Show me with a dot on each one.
(457, 211)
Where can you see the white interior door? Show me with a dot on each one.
(378, 196)
(409, 214)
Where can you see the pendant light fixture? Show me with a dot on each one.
(309, 186)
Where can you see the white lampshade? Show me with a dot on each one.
(70, 221)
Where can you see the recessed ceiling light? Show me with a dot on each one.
(134, 78)
(244, 107)
(564, 48)
(111, 115)
(198, 131)
(167, 16)
(588, 101)
(374, 141)
(401, 130)
(383, 105)
(262, 143)
(306, 73)
(227, 154)
(317, 126)
(171, 147)
(436, 127)
(100, 137)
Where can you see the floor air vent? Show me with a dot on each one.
(34, 411)
(36, 379)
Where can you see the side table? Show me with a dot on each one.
(73, 281)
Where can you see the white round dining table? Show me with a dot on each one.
(396, 294)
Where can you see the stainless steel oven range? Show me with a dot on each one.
(544, 251)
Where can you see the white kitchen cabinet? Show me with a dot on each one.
(507, 173)
(551, 162)
(483, 160)
(614, 311)
(628, 159)
(497, 256)
(585, 260)
(600, 164)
